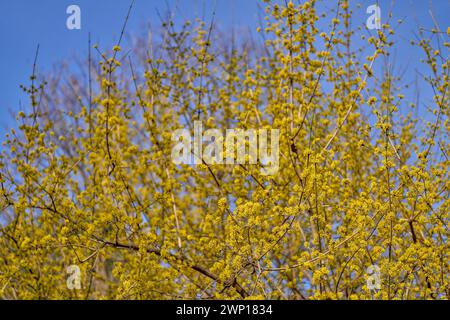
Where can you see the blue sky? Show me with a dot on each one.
(26, 23)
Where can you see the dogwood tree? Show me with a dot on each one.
(358, 208)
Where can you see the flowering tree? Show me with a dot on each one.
(358, 209)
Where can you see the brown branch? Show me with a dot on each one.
(242, 292)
